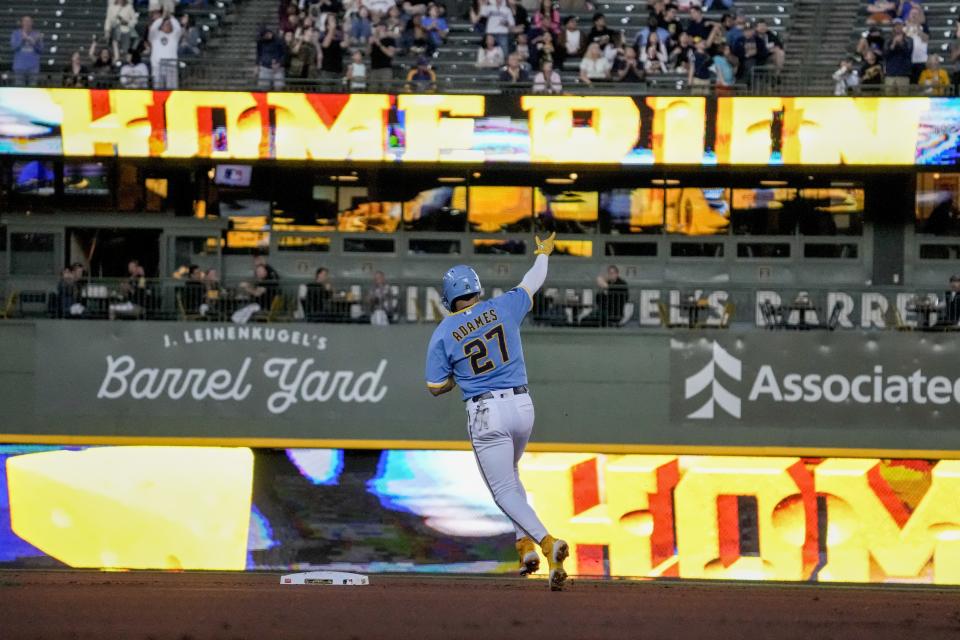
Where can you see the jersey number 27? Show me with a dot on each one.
(476, 350)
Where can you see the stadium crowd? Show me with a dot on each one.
(894, 57)
(369, 44)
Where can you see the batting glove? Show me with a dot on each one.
(545, 246)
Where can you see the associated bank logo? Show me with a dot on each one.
(706, 378)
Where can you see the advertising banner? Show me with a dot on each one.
(582, 130)
(784, 518)
(362, 386)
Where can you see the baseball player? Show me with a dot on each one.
(478, 348)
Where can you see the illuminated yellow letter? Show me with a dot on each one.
(612, 134)
(330, 127)
(852, 130)
(623, 505)
(744, 129)
(786, 516)
(185, 139)
(104, 123)
(861, 527)
(428, 133)
(679, 125)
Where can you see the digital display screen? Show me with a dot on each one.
(233, 175)
(537, 129)
(688, 516)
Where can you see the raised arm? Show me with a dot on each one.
(534, 278)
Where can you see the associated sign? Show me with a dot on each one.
(675, 130)
(751, 380)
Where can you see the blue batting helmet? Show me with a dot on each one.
(458, 282)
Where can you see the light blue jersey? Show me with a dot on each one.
(480, 346)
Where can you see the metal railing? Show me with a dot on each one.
(559, 304)
(762, 82)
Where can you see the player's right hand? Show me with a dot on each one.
(545, 246)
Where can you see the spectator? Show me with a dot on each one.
(361, 28)
(356, 73)
(415, 38)
(769, 47)
(414, 8)
(544, 48)
(513, 73)
(610, 300)
(717, 5)
(331, 50)
(897, 58)
(726, 74)
(881, 11)
(657, 9)
(102, 61)
(916, 29)
(436, 27)
(951, 304)
(191, 40)
(381, 301)
(27, 45)
(134, 74)
(66, 293)
(119, 27)
(547, 80)
(288, 57)
(732, 27)
(378, 8)
(422, 78)
(522, 49)
(318, 304)
(271, 52)
(304, 54)
(654, 56)
(394, 24)
(749, 51)
(261, 293)
(572, 42)
(607, 38)
(133, 290)
(672, 24)
(594, 67)
(627, 67)
(76, 74)
(521, 20)
(164, 38)
(933, 79)
(682, 55)
(489, 55)
(290, 20)
(499, 23)
(547, 18)
(696, 26)
(845, 78)
(382, 50)
(698, 75)
(194, 290)
(653, 26)
(871, 72)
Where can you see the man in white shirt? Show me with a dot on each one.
(499, 22)
(164, 37)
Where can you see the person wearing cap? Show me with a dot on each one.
(422, 78)
(897, 60)
(951, 304)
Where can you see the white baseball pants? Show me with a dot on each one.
(499, 429)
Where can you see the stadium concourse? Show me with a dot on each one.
(118, 606)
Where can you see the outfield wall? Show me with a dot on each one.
(848, 393)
